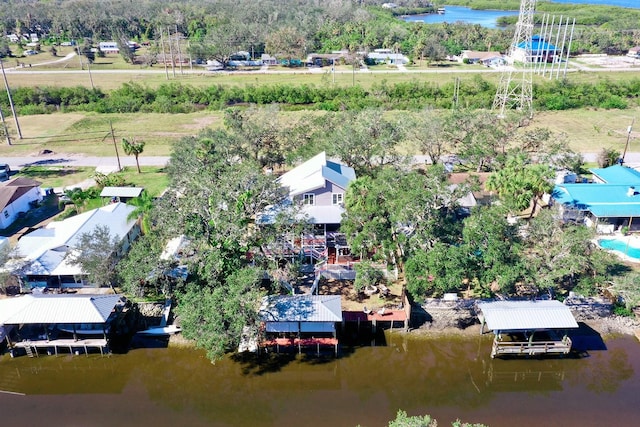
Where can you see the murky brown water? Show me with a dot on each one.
(448, 378)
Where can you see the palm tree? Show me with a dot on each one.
(144, 205)
(521, 184)
(133, 147)
(78, 197)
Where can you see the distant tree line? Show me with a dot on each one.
(413, 95)
(294, 28)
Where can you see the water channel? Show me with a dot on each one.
(449, 378)
(486, 18)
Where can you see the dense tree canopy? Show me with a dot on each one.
(217, 190)
(398, 212)
(216, 29)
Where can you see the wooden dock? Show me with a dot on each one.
(530, 348)
(378, 317)
(32, 348)
(300, 343)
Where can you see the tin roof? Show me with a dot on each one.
(314, 173)
(301, 308)
(62, 235)
(602, 200)
(49, 309)
(617, 174)
(537, 44)
(322, 214)
(121, 191)
(527, 315)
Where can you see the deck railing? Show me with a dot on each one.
(530, 348)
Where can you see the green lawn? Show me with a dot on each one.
(57, 176)
(590, 130)
(153, 179)
(89, 133)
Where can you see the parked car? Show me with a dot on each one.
(30, 52)
(5, 172)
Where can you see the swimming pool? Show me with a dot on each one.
(621, 245)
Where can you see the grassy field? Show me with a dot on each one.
(590, 130)
(587, 130)
(89, 133)
(153, 179)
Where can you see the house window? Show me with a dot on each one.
(308, 199)
(337, 198)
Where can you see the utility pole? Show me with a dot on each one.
(626, 146)
(164, 54)
(115, 145)
(173, 63)
(178, 48)
(13, 108)
(333, 68)
(456, 94)
(90, 76)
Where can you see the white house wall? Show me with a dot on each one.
(11, 212)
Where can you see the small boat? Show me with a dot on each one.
(441, 11)
(85, 328)
(161, 331)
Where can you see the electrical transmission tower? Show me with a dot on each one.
(514, 93)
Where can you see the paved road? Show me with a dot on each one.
(631, 159)
(106, 163)
(573, 67)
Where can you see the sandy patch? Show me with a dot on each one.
(609, 61)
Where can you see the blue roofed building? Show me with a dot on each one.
(540, 50)
(616, 174)
(612, 201)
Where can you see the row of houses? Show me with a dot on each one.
(25, 38)
(319, 186)
(299, 321)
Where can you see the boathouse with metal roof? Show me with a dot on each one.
(527, 327)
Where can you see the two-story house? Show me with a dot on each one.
(319, 185)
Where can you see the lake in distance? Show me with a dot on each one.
(449, 378)
(488, 18)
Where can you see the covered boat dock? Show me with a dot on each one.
(58, 323)
(527, 327)
(301, 322)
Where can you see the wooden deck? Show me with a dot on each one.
(300, 343)
(526, 348)
(54, 347)
(375, 317)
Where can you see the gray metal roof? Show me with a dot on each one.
(48, 309)
(121, 191)
(527, 315)
(314, 173)
(301, 308)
